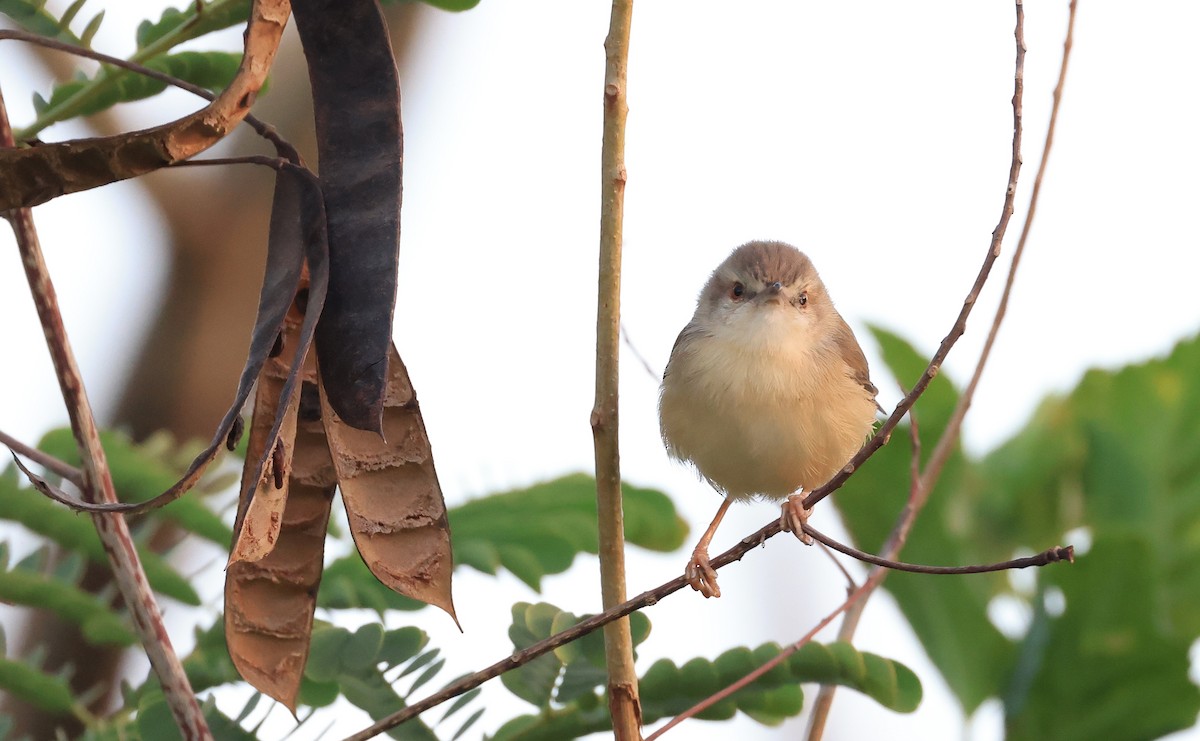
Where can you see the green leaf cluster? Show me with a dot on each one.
(212, 70)
(1115, 462)
(566, 685)
(499, 530)
(532, 532)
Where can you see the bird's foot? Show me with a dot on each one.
(701, 575)
(794, 516)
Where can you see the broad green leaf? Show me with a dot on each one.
(948, 613)
(1120, 457)
(139, 473)
(402, 644)
(26, 506)
(360, 652)
(95, 618)
(1107, 668)
(325, 652)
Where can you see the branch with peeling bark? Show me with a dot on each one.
(33, 175)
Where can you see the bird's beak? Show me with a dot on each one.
(773, 293)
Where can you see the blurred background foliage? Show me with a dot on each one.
(1098, 649)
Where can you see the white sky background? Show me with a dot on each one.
(875, 136)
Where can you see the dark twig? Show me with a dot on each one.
(949, 438)
(43, 459)
(1050, 555)
(97, 481)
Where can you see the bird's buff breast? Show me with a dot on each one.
(764, 418)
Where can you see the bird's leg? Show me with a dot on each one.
(699, 572)
(794, 516)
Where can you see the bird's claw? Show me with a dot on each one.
(701, 575)
(794, 516)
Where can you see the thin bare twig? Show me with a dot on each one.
(708, 702)
(918, 492)
(945, 445)
(43, 459)
(824, 702)
(97, 482)
(623, 703)
(637, 355)
(960, 323)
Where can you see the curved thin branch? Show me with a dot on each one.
(43, 459)
(881, 435)
(97, 482)
(923, 485)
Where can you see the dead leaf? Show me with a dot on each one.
(392, 496)
(273, 575)
(356, 104)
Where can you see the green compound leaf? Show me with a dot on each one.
(538, 531)
(668, 689)
(27, 507)
(531, 532)
(100, 625)
(31, 15)
(352, 664)
(177, 26)
(154, 721)
(210, 69)
(46, 691)
(568, 673)
(142, 471)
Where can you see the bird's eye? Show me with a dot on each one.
(802, 299)
(738, 290)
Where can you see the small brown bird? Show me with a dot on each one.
(767, 392)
